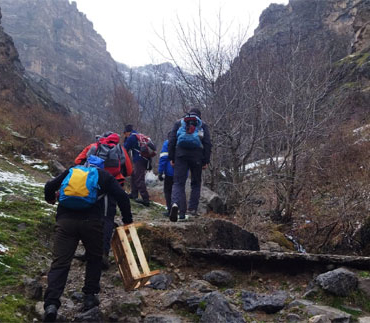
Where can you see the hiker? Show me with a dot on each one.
(119, 167)
(142, 163)
(189, 148)
(74, 224)
(165, 167)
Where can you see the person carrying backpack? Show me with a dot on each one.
(80, 218)
(142, 152)
(118, 164)
(165, 167)
(189, 148)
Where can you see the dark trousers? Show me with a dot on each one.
(138, 179)
(109, 223)
(182, 166)
(167, 189)
(68, 232)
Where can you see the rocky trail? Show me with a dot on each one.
(201, 289)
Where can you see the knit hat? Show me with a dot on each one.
(196, 111)
(128, 128)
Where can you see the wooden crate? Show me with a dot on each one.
(134, 275)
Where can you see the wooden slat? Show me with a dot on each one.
(129, 254)
(139, 250)
(128, 268)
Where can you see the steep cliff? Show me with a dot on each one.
(59, 48)
(16, 91)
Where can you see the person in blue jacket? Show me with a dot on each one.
(141, 165)
(165, 167)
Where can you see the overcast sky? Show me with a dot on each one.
(131, 27)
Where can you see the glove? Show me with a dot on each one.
(160, 177)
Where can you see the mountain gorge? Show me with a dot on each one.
(287, 187)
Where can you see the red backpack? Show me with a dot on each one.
(147, 148)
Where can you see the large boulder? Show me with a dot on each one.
(340, 282)
(262, 302)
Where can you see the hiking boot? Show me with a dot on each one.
(183, 218)
(173, 212)
(105, 262)
(90, 301)
(50, 314)
(143, 202)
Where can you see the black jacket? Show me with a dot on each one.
(108, 185)
(202, 154)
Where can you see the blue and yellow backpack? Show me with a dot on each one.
(79, 189)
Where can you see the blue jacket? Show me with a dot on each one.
(131, 143)
(164, 165)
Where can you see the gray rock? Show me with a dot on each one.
(129, 304)
(157, 318)
(33, 288)
(39, 309)
(177, 297)
(55, 167)
(263, 302)
(319, 319)
(338, 282)
(364, 319)
(160, 281)
(218, 310)
(202, 286)
(219, 278)
(93, 315)
(333, 314)
(364, 285)
(299, 303)
(78, 296)
(291, 317)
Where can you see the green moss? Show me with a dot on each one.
(278, 237)
(11, 309)
(202, 305)
(362, 59)
(364, 274)
(357, 299)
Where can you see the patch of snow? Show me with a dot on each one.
(17, 178)
(41, 167)
(1, 263)
(3, 249)
(54, 146)
(27, 160)
(2, 215)
(158, 204)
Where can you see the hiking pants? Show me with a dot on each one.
(167, 189)
(109, 223)
(182, 166)
(138, 179)
(68, 232)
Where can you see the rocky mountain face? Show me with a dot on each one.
(340, 30)
(16, 90)
(60, 49)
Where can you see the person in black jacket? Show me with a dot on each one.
(183, 160)
(72, 226)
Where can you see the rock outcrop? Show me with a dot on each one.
(59, 48)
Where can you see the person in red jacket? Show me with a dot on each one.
(111, 139)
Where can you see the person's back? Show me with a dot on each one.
(82, 224)
(141, 165)
(189, 150)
